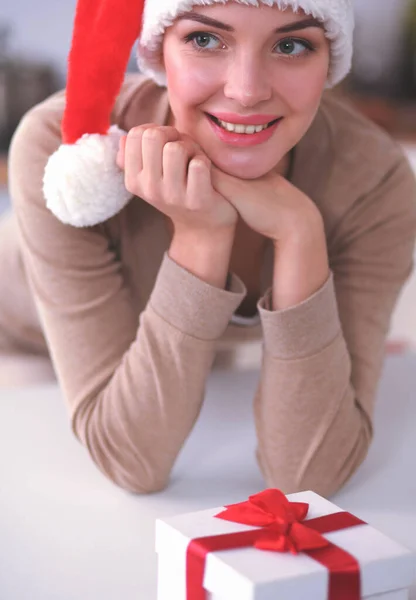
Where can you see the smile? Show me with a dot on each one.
(242, 136)
(241, 129)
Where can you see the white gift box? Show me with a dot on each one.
(387, 569)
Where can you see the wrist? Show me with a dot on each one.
(205, 254)
(304, 234)
(206, 236)
(301, 267)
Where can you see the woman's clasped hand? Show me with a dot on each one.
(169, 170)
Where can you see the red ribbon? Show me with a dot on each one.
(281, 530)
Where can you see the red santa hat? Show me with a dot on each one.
(83, 185)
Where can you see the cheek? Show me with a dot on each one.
(302, 88)
(188, 84)
(302, 94)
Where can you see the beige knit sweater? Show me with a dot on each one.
(133, 336)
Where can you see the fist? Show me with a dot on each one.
(169, 170)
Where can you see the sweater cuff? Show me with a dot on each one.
(304, 329)
(192, 305)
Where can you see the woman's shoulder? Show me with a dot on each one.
(140, 100)
(346, 161)
(359, 164)
(355, 141)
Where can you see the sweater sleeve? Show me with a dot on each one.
(133, 389)
(322, 359)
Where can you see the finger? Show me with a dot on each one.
(133, 163)
(121, 152)
(133, 154)
(153, 142)
(175, 166)
(176, 157)
(199, 178)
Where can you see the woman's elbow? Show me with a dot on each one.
(136, 484)
(123, 462)
(129, 474)
(324, 474)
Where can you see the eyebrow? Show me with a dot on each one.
(294, 26)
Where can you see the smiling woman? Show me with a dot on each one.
(226, 76)
(219, 197)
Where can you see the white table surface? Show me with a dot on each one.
(67, 533)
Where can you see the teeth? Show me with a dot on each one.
(247, 129)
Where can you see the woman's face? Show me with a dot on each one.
(232, 62)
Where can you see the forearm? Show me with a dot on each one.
(309, 428)
(312, 433)
(136, 426)
(301, 265)
(139, 421)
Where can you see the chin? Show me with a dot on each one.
(244, 171)
(246, 163)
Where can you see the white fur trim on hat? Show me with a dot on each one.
(337, 15)
(82, 183)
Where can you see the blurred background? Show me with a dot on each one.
(35, 38)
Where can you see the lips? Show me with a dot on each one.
(240, 122)
(234, 118)
(242, 140)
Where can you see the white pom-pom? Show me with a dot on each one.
(82, 183)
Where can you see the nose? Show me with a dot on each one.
(248, 81)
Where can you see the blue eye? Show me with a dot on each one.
(292, 47)
(201, 40)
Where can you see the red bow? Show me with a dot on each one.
(281, 530)
(281, 520)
